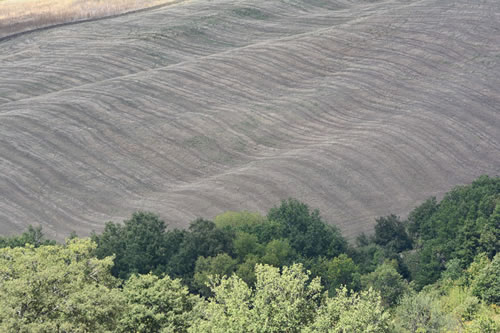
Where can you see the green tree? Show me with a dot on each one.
(454, 227)
(387, 281)
(278, 253)
(483, 324)
(228, 311)
(138, 245)
(282, 301)
(418, 217)
(453, 270)
(489, 237)
(203, 239)
(337, 272)
(358, 312)
(306, 231)
(486, 284)
(245, 244)
(58, 288)
(220, 265)
(285, 301)
(33, 236)
(468, 241)
(246, 270)
(157, 305)
(428, 266)
(420, 313)
(369, 256)
(390, 233)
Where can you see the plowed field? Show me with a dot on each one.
(359, 108)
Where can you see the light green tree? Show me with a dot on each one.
(157, 305)
(229, 310)
(358, 312)
(282, 301)
(287, 300)
(58, 288)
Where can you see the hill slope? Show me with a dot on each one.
(359, 108)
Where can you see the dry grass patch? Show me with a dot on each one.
(22, 15)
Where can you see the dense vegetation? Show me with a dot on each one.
(436, 271)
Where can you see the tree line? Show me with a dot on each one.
(437, 270)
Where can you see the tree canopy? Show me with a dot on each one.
(438, 270)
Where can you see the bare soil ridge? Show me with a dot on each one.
(358, 108)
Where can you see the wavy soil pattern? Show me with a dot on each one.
(359, 108)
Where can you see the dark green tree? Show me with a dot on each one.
(390, 233)
(337, 272)
(138, 245)
(203, 239)
(461, 226)
(489, 237)
(33, 236)
(309, 236)
(420, 215)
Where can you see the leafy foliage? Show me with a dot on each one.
(420, 313)
(387, 281)
(486, 284)
(307, 233)
(463, 224)
(337, 272)
(33, 236)
(57, 288)
(157, 305)
(358, 312)
(220, 265)
(288, 301)
(390, 233)
(438, 270)
(204, 239)
(138, 245)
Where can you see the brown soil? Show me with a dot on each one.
(359, 108)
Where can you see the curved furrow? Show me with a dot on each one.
(147, 40)
(362, 112)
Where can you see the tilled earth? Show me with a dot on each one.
(358, 108)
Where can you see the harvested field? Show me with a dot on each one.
(359, 108)
(22, 15)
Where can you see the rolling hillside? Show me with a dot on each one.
(359, 108)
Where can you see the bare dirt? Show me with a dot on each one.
(359, 108)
